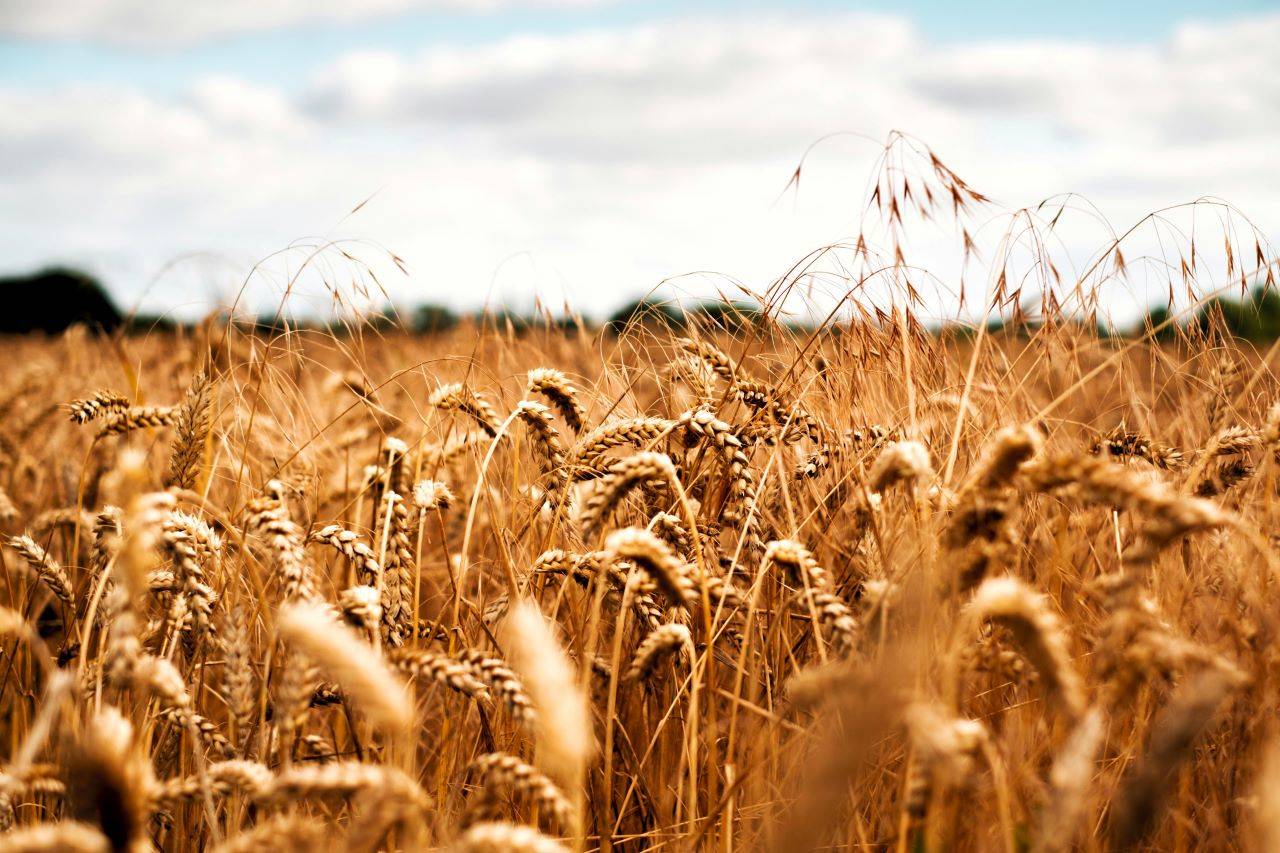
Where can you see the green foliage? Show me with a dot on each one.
(646, 312)
(432, 318)
(1254, 317)
(1156, 324)
(712, 314)
(725, 315)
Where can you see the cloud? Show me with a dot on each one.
(595, 164)
(160, 23)
(1206, 83)
(619, 94)
(652, 92)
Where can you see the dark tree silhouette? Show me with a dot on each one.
(430, 318)
(725, 315)
(646, 311)
(1253, 316)
(53, 299)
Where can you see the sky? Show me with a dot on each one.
(584, 152)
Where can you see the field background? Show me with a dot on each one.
(1118, 691)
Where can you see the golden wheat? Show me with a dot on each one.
(758, 587)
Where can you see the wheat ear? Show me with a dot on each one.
(1069, 780)
(279, 834)
(670, 640)
(61, 837)
(46, 568)
(622, 478)
(457, 397)
(557, 388)
(500, 771)
(494, 837)
(652, 556)
(97, 405)
(352, 663)
(194, 423)
(1039, 632)
(566, 740)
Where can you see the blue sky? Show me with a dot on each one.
(281, 55)
(524, 147)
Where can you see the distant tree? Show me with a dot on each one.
(1156, 323)
(564, 323)
(726, 315)
(996, 325)
(53, 299)
(542, 321)
(505, 321)
(275, 324)
(1255, 317)
(380, 321)
(647, 312)
(431, 318)
(141, 324)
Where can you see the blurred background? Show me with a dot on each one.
(585, 153)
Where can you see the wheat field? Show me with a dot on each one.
(763, 588)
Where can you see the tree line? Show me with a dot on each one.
(53, 299)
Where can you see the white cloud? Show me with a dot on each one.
(166, 23)
(654, 92)
(616, 158)
(244, 107)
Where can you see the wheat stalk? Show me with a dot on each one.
(1039, 632)
(566, 739)
(357, 668)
